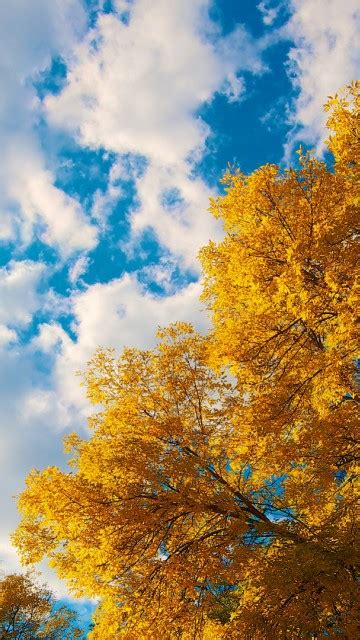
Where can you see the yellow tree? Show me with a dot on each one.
(28, 611)
(216, 496)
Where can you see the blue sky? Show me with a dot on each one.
(117, 120)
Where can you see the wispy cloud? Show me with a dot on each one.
(269, 13)
(78, 268)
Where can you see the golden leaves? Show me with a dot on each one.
(216, 495)
(28, 610)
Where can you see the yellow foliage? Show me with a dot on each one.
(216, 496)
(27, 611)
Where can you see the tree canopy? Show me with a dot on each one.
(216, 496)
(29, 610)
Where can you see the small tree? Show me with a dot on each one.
(29, 610)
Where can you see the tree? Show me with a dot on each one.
(216, 497)
(28, 611)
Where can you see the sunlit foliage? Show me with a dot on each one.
(216, 496)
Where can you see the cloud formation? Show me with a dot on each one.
(135, 85)
(325, 56)
(18, 293)
(30, 202)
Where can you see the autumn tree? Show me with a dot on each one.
(29, 611)
(216, 496)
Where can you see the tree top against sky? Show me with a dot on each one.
(217, 493)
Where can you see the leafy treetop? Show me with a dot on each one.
(216, 496)
(29, 610)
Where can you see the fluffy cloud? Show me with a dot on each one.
(325, 56)
(18, 292)
(122, 313)
(58, 218)
(175, 206)
(30, 34)
(134, 86)
(29, 199)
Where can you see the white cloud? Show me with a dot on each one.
(121, 313)
(30, 34)
(103, 203)
(50, 336)
(162, 274)
(45, 407)
(122, 6)
(18, 292)
(7, 335)
(134, 87)
(175, 206)
(41, 204)
(325, 56)
(145, 110)
(53, 27)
